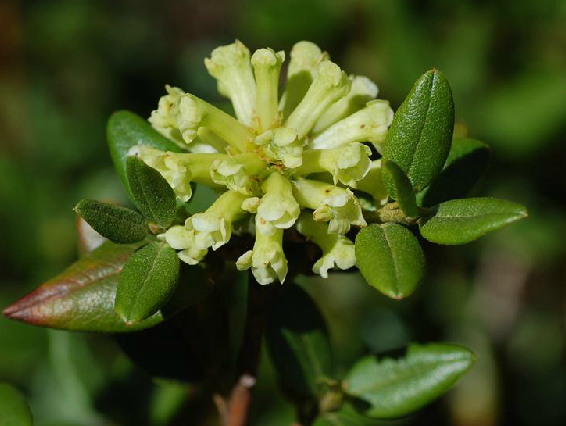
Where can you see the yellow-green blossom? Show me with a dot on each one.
(231, 66)
(337, 250)
(277, 209)
(276, 159)
(337, 206)
(267, 259)
(362, 91)
(239, 173)
(369, 124)
(213, 228)
(181, 238)
(282, 145)
(347, 164)
(179, 169)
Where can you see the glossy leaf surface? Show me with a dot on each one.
(298, 343)
(464, 220)
(397, 387)
(465, 165)
(82, 297)
(151, 193)
(147, 282)
(126, 129)
(390, 259)
(118, 224)
(421, 133)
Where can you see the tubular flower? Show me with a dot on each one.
(337, 250)
(267, 259)
(276, 159)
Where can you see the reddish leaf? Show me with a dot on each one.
(82, 297)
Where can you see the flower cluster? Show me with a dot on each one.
(300, 159)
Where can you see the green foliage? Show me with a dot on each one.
(395, 388)
(125, 130)
(298, 343)
(390, 259)
(147, 282)
(465, 165)
(82, 297)
(403, 190)
(118, 224)
(151, 193)
(75, 300)
(420, 135)
(14, 411)
(464, 220)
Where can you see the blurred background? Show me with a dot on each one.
(66, 65)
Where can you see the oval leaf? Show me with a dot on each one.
(82, 297)
(14, 410)
(403, 191)
(395, 388)
(151, 193)
(421, 132)
(465, 165)
(147, 282)
(390, 259)
(118, 224)
(464, 220)
(298, 343)
(126, 129)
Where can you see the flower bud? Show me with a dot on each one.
(367, 125)
(231, 66)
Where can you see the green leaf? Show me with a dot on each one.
(126, 129)
(298, 343)
(147, 282)
(390, 259)
(118, 224)
(421, 133)
(151, 193)
(395, 388)
(403, 190)
(345, 416)
(465, 165)
(464, 220)
(82, 297)
(14, 410)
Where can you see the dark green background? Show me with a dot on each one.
(65, 66)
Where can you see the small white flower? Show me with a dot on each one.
(267, 259)
(278, 208)
(337, 250)
(347, 164)
(231, 66)
(213, 228)
(239, 173)
(180, 238)
(282, 144)
(337, 206)
(329, 85)
(362, 91)
(367, 125)
(179, 169)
